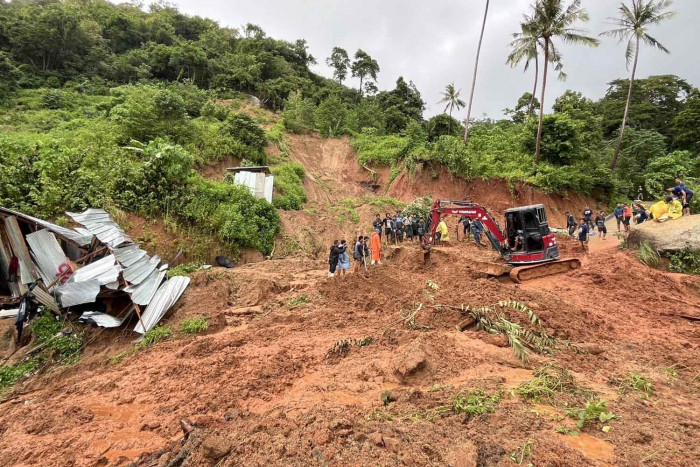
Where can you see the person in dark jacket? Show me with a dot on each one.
(377, 224)
(571, 223)
(336, 251)
(358, 253)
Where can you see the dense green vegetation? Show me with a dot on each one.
(105, 105)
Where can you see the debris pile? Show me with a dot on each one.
(95, 270)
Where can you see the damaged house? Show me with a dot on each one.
(95, 271)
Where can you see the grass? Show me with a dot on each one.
(342, 347)
(522, 453)
(475, 402)
(155, 335)
(647, 255)
(635, 382)
(298, 301)
(184, 269)
(10, 374)
(194, 326)
(547, 382)
(595, 410)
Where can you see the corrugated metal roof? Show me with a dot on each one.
(48, 254)
(164, 299)
(20, 250)
(71, 235)
(77, 293)
(45, 299)
(104, 270)
(100, 319)
(143, 293)
(100, 224)
(140, 271)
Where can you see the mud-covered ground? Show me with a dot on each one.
(260, 387)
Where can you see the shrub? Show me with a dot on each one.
(298, 113)
(183, 269)
(330, 117)
(686, 262)
(54, 99)
(475, 402)
(377, 150)
(244, 129)
(194, 326)
(289, 186)
(9, 375)
(155, 335)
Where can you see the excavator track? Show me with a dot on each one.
(526, 273)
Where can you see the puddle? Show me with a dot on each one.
(590, 447)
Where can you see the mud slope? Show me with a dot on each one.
(260, 387)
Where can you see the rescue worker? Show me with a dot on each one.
(443, 231)
(375, 245)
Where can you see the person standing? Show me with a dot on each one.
(684, 195)
(398, 227)
(375, 244)
(334, 257)
(377, 224)
(343, 259)
(388, 228)
(477, 228)
(619, 212)
(358, 253)
(588, 215)
(600, 223)
(642, 215)
(466, 225)
(583, 234)
(420, 229)
(626, 216)
(408, 227)
(571, 223)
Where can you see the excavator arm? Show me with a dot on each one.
(472, 211)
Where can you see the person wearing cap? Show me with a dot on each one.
(600, 223)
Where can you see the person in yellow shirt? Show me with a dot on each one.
(658, 210)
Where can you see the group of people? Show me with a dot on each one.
(396, 228)
(365, 250)
(674, 206)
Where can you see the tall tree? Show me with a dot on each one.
(476, 68)
(524, 47)
(340, 62)
(451, 97)
(631, 25)
(364, 66)
(554, 20)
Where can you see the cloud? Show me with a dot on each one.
(434, 43)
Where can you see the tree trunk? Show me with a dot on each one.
(534, 89)
(361, 77)
(627, 109)
(449, 123)
(544, 88)
(476, 67)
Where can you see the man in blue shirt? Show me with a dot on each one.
(618, 212)
(583, 234)
(477, 227)
(683, 193)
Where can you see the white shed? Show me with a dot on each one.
(258, 180)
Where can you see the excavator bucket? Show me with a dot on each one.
(526, 273)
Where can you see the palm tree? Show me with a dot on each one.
(631, 26)
(476, 67)
(524, 47)
(552, 20)
(451, 97)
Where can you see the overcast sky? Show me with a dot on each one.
(433, 43)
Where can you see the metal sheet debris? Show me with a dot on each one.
(164, 299)
(143, 293)
(46, 299)
(104, 270)
(75, 236)
(99, 223)
(100, 319)
(77, 293)
(12, 313)
(20, 250)
(48, 255)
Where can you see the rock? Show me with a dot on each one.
(321, 437)
(411, 360)
(669, 236)
(232, 415)
(463, 455)
(499, 340)
(215, 446)
(376, 438)
(340, 424)
(392, 444)
(593, 349)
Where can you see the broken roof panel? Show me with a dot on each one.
(100, 223)
(48, 255)
(100, 319)
(77, 293)
(164, 299)
(130, 255)
(104, 270)
(143, 293)
(141, 270)
(79, 238)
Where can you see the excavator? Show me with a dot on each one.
(528, 247)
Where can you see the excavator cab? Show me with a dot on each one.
(529, 239)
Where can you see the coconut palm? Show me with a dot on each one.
(451, 97)
(476, 67)
(631, 26)
(553, 20)
(524, 47)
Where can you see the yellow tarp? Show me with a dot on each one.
(444, 231)
(658, 210)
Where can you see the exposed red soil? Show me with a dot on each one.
(260, 388)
